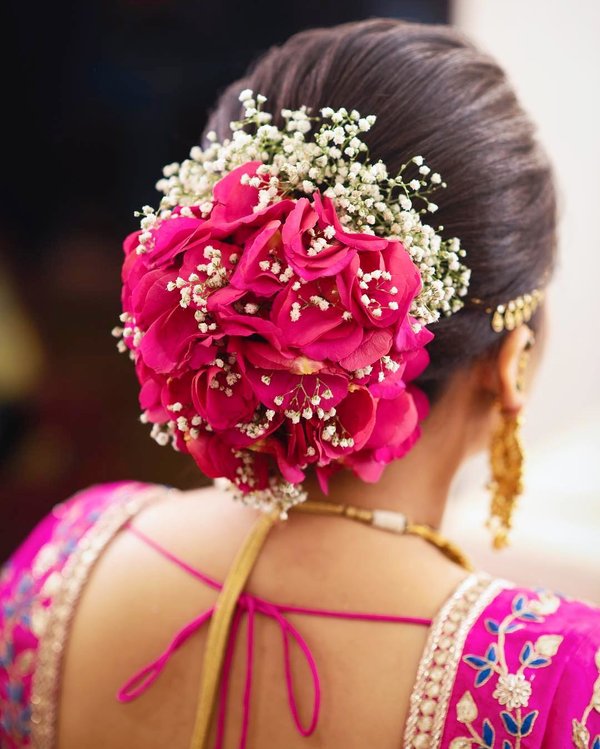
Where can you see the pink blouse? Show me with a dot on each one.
(503, 668)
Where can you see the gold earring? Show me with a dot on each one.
(506, 461)
(523, 364)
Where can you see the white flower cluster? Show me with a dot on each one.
(280, 494)
(325, 153)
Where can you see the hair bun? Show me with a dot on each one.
(268, 334)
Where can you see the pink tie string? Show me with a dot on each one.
(250, 605)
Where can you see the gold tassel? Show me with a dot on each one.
(506, 461)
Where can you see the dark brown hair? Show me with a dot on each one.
(436, 95)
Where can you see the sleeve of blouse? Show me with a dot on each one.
(28, 582)
(574, 719)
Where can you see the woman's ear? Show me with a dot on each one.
(511, 365)
(503, 377)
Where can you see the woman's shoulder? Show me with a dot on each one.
(47, 567)
(55, 536)
(527, 608)
(547, 621)
(530, 667)
(78, 527)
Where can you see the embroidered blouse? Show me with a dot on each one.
(504, 667)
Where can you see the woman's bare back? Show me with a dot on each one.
(136, 600)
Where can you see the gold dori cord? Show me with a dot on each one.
(330, 508)
(220, 625)
(447, 547)
(241, 568)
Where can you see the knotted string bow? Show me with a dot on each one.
(250, 605)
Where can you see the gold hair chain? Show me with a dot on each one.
(512, 314)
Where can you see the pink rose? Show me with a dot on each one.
(167, 343)
(378, 287)
(354, 419)
(262, 262)
(299, 443)
(283, 381)
(289, 337)
(312, 319)
(315, 243)
(222, 395)
(233, 214)
(174, 236)
(239, 313)
(325, 208)
(374, 345)
(214, 456)
(149, 298)
(411, 342)
(150, 397)
(310, 253)
(395, 431)
(288, 468)
(234, 202)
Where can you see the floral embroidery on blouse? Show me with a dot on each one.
(513, 690)
(16, 666)
(24, 609)
(581, 734)
(22, 617)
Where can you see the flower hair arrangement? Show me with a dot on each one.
(276, 303)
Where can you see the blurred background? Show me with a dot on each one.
(102, 94)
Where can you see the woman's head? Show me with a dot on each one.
(435, 94)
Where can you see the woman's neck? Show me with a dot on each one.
(420, 494)
(417, 484)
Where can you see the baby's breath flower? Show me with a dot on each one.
(325, 153)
